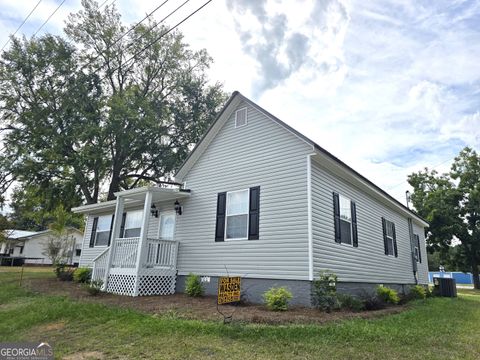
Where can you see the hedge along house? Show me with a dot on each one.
(259, 200)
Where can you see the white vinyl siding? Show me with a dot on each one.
(266, 155)
(368, 262)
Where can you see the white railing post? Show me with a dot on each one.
(117, 221)
(143, 239)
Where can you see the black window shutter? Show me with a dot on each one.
(419, 250)
(111, 232)
(336, 215)
(94, 232)
(220, 225)
(353, 208)
(122, 226)
(385, 241)
(254, 213)
(394, 241)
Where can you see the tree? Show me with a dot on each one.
(77, 111)
(451, 204)
(60, 244)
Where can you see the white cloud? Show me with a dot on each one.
(389, 87)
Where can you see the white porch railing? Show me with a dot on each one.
(100, 266)
(125, 254)
(161, 253)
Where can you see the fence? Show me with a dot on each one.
(460, 278)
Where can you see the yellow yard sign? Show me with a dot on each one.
(228, 289)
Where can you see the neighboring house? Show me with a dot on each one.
(31, 246)
(256, 199)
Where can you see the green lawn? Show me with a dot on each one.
(434, 329)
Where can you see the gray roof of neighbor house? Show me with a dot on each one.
(189, 161)
(17, 234)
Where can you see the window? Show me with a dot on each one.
(345, 220)
(102, 236)
(241, 117)
(389, 238)
(133, 224)
(78, 252)
(418, 254)
(345, 216)
(237, 215)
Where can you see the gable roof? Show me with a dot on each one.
(26, 235)
(222, 118)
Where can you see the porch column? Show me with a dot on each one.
(143, 238)
(117, 221)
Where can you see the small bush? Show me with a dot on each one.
(371, 302)
(63, 272)
(387, 295)
(193, 286)
(94, 287)
(350, 302)
(324, 293)
(82, 275)
(418, 292)
(277, 299)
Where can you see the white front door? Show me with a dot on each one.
(167, 225)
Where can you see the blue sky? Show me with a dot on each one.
(389, 87)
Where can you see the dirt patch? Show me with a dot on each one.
(51, 327)
(84, 355)
(205, 308)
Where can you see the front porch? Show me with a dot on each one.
(143, 265)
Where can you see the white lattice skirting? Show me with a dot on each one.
(149, 283)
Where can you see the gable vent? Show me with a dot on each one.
(241, 117)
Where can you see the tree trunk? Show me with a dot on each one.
(476, 280)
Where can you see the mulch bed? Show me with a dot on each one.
(205, 308)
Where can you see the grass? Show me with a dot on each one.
(439, 328)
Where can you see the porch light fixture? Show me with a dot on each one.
(154, 210)
(178, 208)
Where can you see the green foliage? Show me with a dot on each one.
(82, 275)
(372, 302)
(94, 287)
(63, 272)
(418, 292)
(193, 286)
(350, 302)
(324, 293)
(450, 202)
(387, 295)
(93, 119)
(277, 298)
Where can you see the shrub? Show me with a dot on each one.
(387, 295)
(94, 287)
(193, 286)
(63, 272)
(324, 293)
(277, 299)
(82, 275)
(417, 292)
(350, 302)
(372, 302)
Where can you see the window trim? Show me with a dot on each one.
(247, 214)
(109, 231)
(246, 117)
(340, 196)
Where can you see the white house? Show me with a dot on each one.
(31, 246)
(256, 199)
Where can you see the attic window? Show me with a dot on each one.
(241, 117)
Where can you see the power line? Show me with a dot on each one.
(161, 36)
(433, 167)
(123, 35)
(23, 23)
(48, 19)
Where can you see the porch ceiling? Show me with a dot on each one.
(134, 197)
